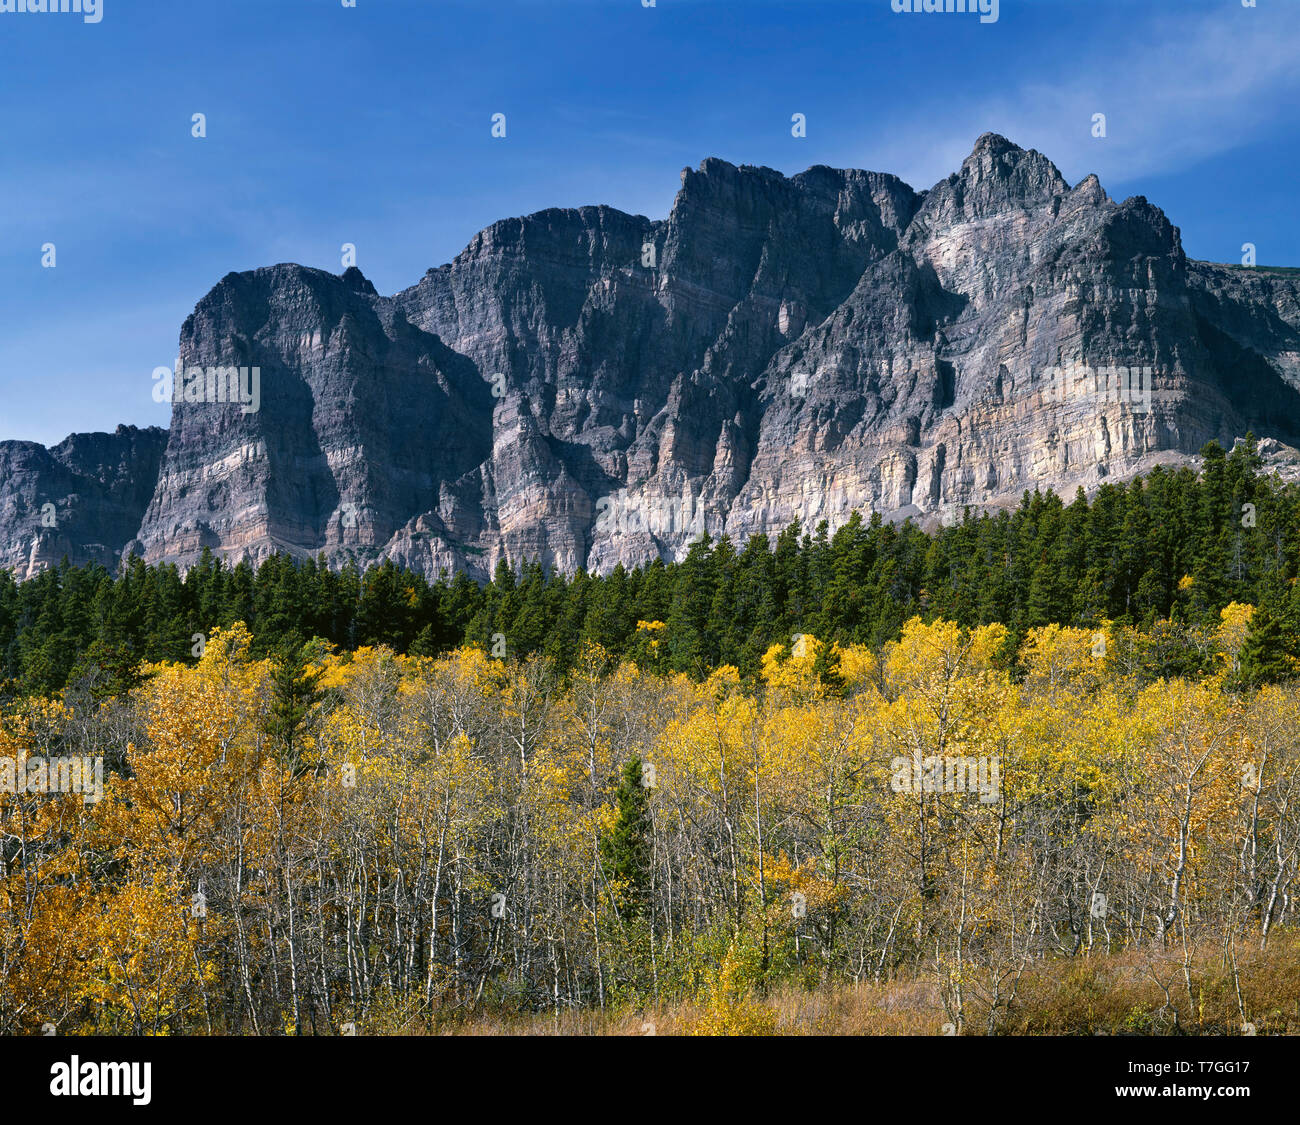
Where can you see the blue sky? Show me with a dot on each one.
(372, 125)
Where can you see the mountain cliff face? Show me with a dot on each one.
(83, 498)
(588, 387)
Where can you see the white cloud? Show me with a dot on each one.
(1179, 91)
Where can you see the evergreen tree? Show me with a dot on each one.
(1268, 654)
(295, 696)
(625, 851)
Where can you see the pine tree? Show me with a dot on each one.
(1267, 654)
(826, 668)
(688, 629)
(295, 697)
(625, 851)
(106, 670)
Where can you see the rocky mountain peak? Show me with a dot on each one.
(996, 178)
(588, 387)
(355, 280)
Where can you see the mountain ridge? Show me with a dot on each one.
(588, 387)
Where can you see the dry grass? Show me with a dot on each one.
(1115, 994)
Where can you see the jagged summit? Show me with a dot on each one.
(355, 280)
(586, 386)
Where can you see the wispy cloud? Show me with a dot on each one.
(1181, 90)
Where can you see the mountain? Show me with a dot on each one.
(588, 387)
(83, 498)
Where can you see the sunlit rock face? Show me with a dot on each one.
(587, 387)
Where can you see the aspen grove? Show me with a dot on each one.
(300, 842)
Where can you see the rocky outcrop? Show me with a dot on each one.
(588, 387)
(83, 498)
(362, 424)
